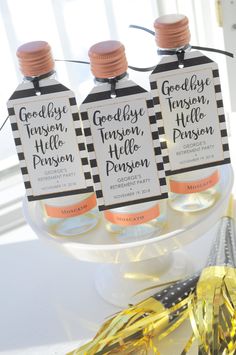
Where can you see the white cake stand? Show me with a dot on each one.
(132, 266)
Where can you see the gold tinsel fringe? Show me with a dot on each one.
(132, 330)
(212, 311)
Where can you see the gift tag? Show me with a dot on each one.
(123, 145)
(190, 114)
(49, 141)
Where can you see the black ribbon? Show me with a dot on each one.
(36, 79)
(179, 52)
(143, 28)
(180, 55)
(5, 121)
(112, 82)
(142, 69)
(171, 51)
(228, 54)
(71, 61)
(84, 62)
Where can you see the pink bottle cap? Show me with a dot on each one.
(108, 59)
(172, 31)
(35, 58)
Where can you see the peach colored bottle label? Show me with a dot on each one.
(132, 219)
(71, 210)
(180, 187)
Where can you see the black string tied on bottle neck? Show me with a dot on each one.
(189, 46)
(36, 79)
(179, 52)
(112, 82)
(180, 55)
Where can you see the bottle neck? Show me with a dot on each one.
(162, 52)
(49, 75)
(179, 52)
(36, 80)
(100, 81)
(112, 81)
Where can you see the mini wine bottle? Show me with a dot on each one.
(46, 130)
(133, 221)
(196, 190)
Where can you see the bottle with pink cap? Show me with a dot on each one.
(65, 214)
(132, 221)
(199, 189)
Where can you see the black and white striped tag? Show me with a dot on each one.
(49, 141)
(123, 145)
(190, 114)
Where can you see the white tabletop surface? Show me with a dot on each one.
(48, 300)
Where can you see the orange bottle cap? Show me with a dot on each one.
(35, 58)
(108, 59)
(172, 31)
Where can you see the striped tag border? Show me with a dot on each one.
(54, 89)
(102, 94)
(197, 60)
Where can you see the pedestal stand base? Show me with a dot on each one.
(119, 284)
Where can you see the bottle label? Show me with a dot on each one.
(71, 210)
(190, 113)
(132, 219)
(181, 187)
(123, 145)
(49, 141)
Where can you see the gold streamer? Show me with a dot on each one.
(188, 345)
(212, 311)
(131, 331)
